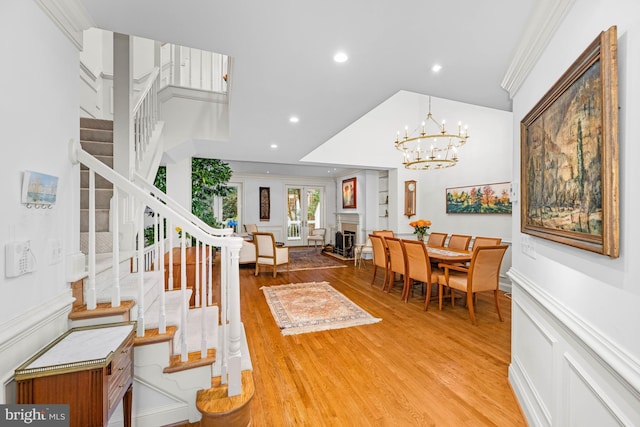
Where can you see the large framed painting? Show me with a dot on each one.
(569, 155)
(483, 199)
(349, 193)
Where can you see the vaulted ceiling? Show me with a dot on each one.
(283, 62)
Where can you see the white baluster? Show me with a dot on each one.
(196, 287)
(235, 329)
(170, 231)
(91, 288)
(203, 286)
(185, 300)
(140, 301)
(115, 232)
(162, 321)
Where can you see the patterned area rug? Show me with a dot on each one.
(303, 258)
(309, 307)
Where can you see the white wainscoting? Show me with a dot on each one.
(563, 372)
(25, 335)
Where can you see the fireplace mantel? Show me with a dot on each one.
(348, 222)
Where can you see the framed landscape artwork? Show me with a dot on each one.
(486, 198)
(569, 155)
(349, 193)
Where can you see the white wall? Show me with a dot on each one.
(39, 110)
(575, 350)
(278, 192)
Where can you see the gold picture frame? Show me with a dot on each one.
(569, 155)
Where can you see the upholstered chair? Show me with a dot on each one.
(380, 258)
(482, 275)
(317, 235)
(485, 241)
(437, 239)
(459, 241)
(396, 261)
(418, 269)
(268, 254)
(250, 228)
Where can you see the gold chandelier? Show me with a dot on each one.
(431, 150)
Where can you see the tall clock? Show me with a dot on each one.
(409, 198)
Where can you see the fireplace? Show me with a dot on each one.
(345, 243)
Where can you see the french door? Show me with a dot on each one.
(305, 211)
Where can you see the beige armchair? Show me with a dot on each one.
(268, 254)
(250, 228)
(317, 235)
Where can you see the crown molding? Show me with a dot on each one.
(70, 16)
(545, 20)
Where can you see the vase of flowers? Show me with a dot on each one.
(420, 228)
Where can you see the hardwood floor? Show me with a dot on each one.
(414, 368)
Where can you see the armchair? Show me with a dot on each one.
(317, 235)
(268, 254)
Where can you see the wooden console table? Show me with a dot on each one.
(88, 368)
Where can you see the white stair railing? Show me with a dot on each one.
(228, 350)
(145, 115)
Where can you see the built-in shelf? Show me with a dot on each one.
(383, 200)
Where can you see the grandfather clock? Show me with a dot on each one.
(409, 198)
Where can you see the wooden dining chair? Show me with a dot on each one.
(267, 253)
(437, 239)
(482, 275)
(459, 241)
(418, 269)
(384, 233)
(380, 258)
(396, 261)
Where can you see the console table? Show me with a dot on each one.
(88, 368)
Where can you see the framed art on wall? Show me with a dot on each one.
(484, 199)
(265, 203)
(349, 193)
(569, 155)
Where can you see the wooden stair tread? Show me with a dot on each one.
(215, 400)
(103, 309)
(152, 336)
(193, 361)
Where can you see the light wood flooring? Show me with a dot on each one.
(414, 368)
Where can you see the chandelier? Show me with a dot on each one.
(435, 149)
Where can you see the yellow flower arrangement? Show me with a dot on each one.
(420, 227)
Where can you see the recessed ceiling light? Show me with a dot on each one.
(340, 57)
(273, 146)
(436, 68)
(294, 119)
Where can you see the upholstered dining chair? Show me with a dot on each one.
(418, 268)
(437, 239)
(482, 275)
(250, 228)
(380, 258)
(384, 233)
(459, 241)
(317, 235)
(396, 261)
(267, 253)
(486, 241)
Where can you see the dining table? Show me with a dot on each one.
(448, 255)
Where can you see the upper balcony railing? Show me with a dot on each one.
(193, 68)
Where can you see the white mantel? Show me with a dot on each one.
(349, 222)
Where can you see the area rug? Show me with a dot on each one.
(310, 307)
(303, 258)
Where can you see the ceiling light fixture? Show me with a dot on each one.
(273, 146)
(435, 150)
(436, 68)
(340, 57)
(294, 119)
